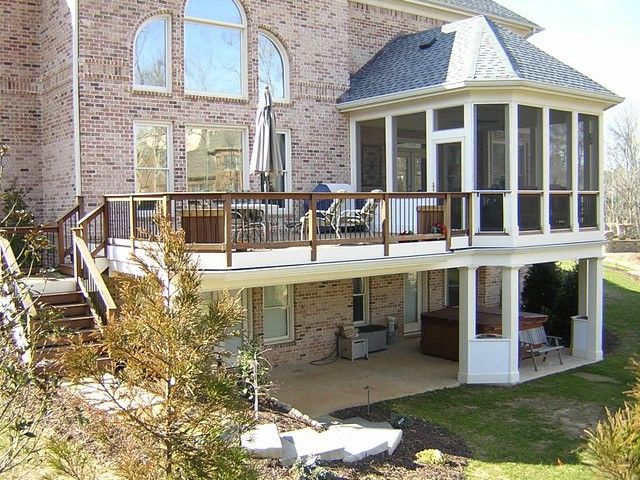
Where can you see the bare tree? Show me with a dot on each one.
(622, 176)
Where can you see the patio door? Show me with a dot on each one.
(449, 177)
(232, 345)
(413, 301)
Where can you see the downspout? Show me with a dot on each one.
(74, 7)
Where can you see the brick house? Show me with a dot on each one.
(442, 104)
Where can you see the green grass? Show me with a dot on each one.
(532, 431)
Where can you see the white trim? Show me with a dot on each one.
(77, 145)
(288, 177)
(285, 64)
(380, 100)
(169, 168)
(437, 10)
(290, 318)
(242, 28)
(245, 146)
(167, 56)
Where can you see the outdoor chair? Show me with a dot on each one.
(248, 225)
(364, 217)
(535, 341)
(325, 219)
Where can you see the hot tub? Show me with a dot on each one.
(376, 336)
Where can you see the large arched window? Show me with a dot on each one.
(272, 67)
(214, 48)
(151, 65)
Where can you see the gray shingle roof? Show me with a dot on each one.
(485, 7)
(471, 49)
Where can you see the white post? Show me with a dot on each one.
(466, 320)
(546, 166)
(511, 216)
(583, 267)
(390, 153)
(511, 317)
(594, 309)
(574, 172)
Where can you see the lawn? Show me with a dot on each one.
(532, 431)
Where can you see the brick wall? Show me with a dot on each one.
(20, 110)
(36, 99)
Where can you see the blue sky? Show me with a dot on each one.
(600, 38)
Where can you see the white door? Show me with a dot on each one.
(413, 296)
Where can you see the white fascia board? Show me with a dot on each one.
(606, 101)
(448, 13)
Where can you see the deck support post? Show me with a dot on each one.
(511, 317)
(466, 320)
(594, 308)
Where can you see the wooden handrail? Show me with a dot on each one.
(83, 258)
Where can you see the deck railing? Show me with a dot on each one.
(228, 222)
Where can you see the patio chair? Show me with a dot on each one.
(249, 225)
(325, 219)
(352, 219)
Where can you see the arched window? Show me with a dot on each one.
(272, 67)
(214, 48)
(151, 55)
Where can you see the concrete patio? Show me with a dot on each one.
(399, 371)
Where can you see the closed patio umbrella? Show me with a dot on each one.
(265, 156)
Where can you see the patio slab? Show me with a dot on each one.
(399, 371)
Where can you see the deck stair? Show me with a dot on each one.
(75, 321)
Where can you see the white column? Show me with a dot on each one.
(466, 320)
(390, 153)
(574, 172)
(511, 317)
(594, 309)
(582, 286)
(432, 174)
(468, 150)
(511, 212)
(601, 219)
(544, 218)
(354, 148)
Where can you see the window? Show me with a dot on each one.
(559, 150)
(453, 287)
(529, 167)
(152, 158)
(280, 183)
(411, 153)
(372, 155)
(214, 48)
(491, 147)
(150, 56)
(448, 118)
(215, 159)
(588, 145)
(272, 67)
(360, 301)
(277, 312)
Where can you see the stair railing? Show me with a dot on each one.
(89, 279)
(65, 235)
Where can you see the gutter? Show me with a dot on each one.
(609, 99)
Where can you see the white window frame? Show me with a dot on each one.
(290, 319)
(245, 148)
(167, 59)
(287, 156)
(365, 302)
(285, 65)
(169, 167)
(242, 28)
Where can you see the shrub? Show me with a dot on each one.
(431, 456)
(613, 446)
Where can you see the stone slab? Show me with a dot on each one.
(263, 441)
(306, 443)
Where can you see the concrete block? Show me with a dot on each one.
(306, 443)
(263, 441)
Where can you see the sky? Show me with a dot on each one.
(600, 38)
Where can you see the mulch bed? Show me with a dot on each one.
(417, 435)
